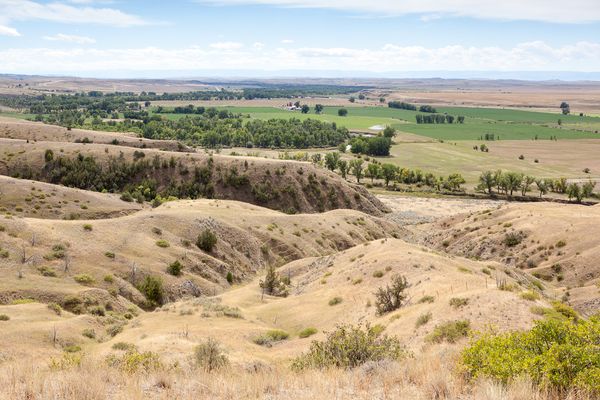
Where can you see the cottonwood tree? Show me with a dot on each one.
(357, 168)
(332, 160)
(372, 171)
(343, 167)
(526, 184)
(542, 186)
(487, 181)
(512, 181)
(388, 172)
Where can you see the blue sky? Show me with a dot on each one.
(244, 37)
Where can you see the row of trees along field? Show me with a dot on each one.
(509, 183)
(427, 119)
(109, 102)
(373, 169)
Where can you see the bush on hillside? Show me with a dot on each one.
(350, 346)
(209, 355)
(391, 297)
(558, 354)
(206, 240)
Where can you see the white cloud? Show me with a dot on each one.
(8, 31)
(575, 11)
(287, 41)
(226, 45)
(529, 56)
(258, 45)
(61, 37)
(26, 10)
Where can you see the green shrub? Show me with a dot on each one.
(391, 297)
(4, 317)
(55, 307)
(427, 299)
(335, 301)
(561, 243)
(133, 361)
(175, 268)
(560, 355)
(152, 288)
(348, 347)
(97, 310)
(512, 239)
(229, 277)
(274, 284)
(209, 356)
(114, 330)
(109, 278)
(458, 302)
(84, 279)
(423, 319)
(206, 241)
(72, 348)
(378, 274)
(530, 295)
(124, 346)
(47, 271)
(109, 254)
(306, 332)
(89, 333)
(87, 227)
(162, 243)
(269, 337)
(450, 331)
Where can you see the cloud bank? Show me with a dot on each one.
(574, 11)
(529, 56)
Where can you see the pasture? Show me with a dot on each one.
(505, 124)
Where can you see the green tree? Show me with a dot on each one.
(273, 284)
(526, 184)
(318, 108)
(512, 181)
(357, 168)
(342, 112)
(372, 171)
(454, 181)
(332, 160)
(389, 132)
(587, 190)
(388, 171)
(352, 99)
(487, 181)
(574, 192)
(305, 109)
(542, 186)
(343, 167)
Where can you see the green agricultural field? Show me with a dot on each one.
(503, 123)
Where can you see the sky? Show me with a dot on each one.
(307, 38)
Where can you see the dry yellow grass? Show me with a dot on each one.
(559, 243)
(26, 198)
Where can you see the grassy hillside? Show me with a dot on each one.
(284, 185)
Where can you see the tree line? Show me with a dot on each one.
(411, 107)
(439, 119)
(509, 183)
